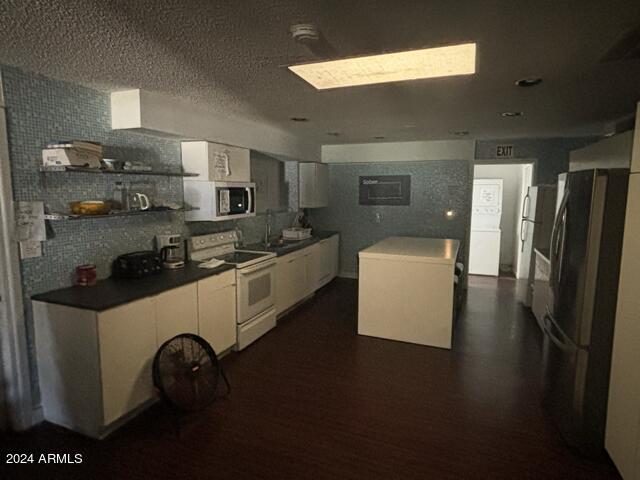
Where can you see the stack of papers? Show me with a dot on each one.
(77, 153)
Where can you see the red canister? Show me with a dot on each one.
(86, 275)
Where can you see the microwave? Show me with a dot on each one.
(218, 201)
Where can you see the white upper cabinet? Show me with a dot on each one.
(216, 162)
(314, 185)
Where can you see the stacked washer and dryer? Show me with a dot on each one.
(484, 252)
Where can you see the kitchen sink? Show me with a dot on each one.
(280, 245)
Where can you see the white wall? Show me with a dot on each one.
(399, 151)
(511, 176)
(153, 112)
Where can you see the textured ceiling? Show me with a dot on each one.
(230, 56)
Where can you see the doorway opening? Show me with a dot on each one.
(501, 220)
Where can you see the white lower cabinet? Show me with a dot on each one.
(177, 312)
(327, 260)
(217, 310)
(302, 272)
(312, 266)
(290, 280)
(95, 367)
(127, 345)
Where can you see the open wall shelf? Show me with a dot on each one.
(69, 216)
(65, 168)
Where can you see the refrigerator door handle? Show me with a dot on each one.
(553, 277)
(523, 236)
(561, 243)
(549, 324)
(525, 205)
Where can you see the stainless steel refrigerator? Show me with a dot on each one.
(538, 211)
(586, 245)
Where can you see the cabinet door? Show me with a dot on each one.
(177, 312)
(283, 285)
(324, 262)
(291, 283)
(312, 269)
(127, 342)
(239, 163)
(217, 310)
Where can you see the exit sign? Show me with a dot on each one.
(504, 151)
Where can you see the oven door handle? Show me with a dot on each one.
(257, 268)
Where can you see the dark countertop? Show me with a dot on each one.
(292, 246)
(112, 292)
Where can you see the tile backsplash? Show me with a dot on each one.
(436, 186)
(41, 110)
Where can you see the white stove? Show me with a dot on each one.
(255, 282)
(222, 246)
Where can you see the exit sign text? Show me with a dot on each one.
(504, 151)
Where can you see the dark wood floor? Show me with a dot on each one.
(314, 400)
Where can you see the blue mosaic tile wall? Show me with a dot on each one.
(436, 186)
(40, 110)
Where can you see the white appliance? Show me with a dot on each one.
(216, 201)
(536, 223)
(562, 180)
(484, 252)
(255, 282)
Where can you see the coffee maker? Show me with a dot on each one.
(170, 248)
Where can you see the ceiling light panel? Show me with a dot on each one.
(390, 67)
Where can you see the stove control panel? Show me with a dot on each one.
(213, 239)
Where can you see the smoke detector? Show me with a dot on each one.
(305, 33)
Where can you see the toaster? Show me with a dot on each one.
(137, 264)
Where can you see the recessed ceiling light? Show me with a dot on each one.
(390, 67)
(299, 119)
(378, 137)
(333, 134)
(529, 82)
(511, 114)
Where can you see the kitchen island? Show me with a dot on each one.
(406, 290)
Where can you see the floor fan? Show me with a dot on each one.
(186, 371)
